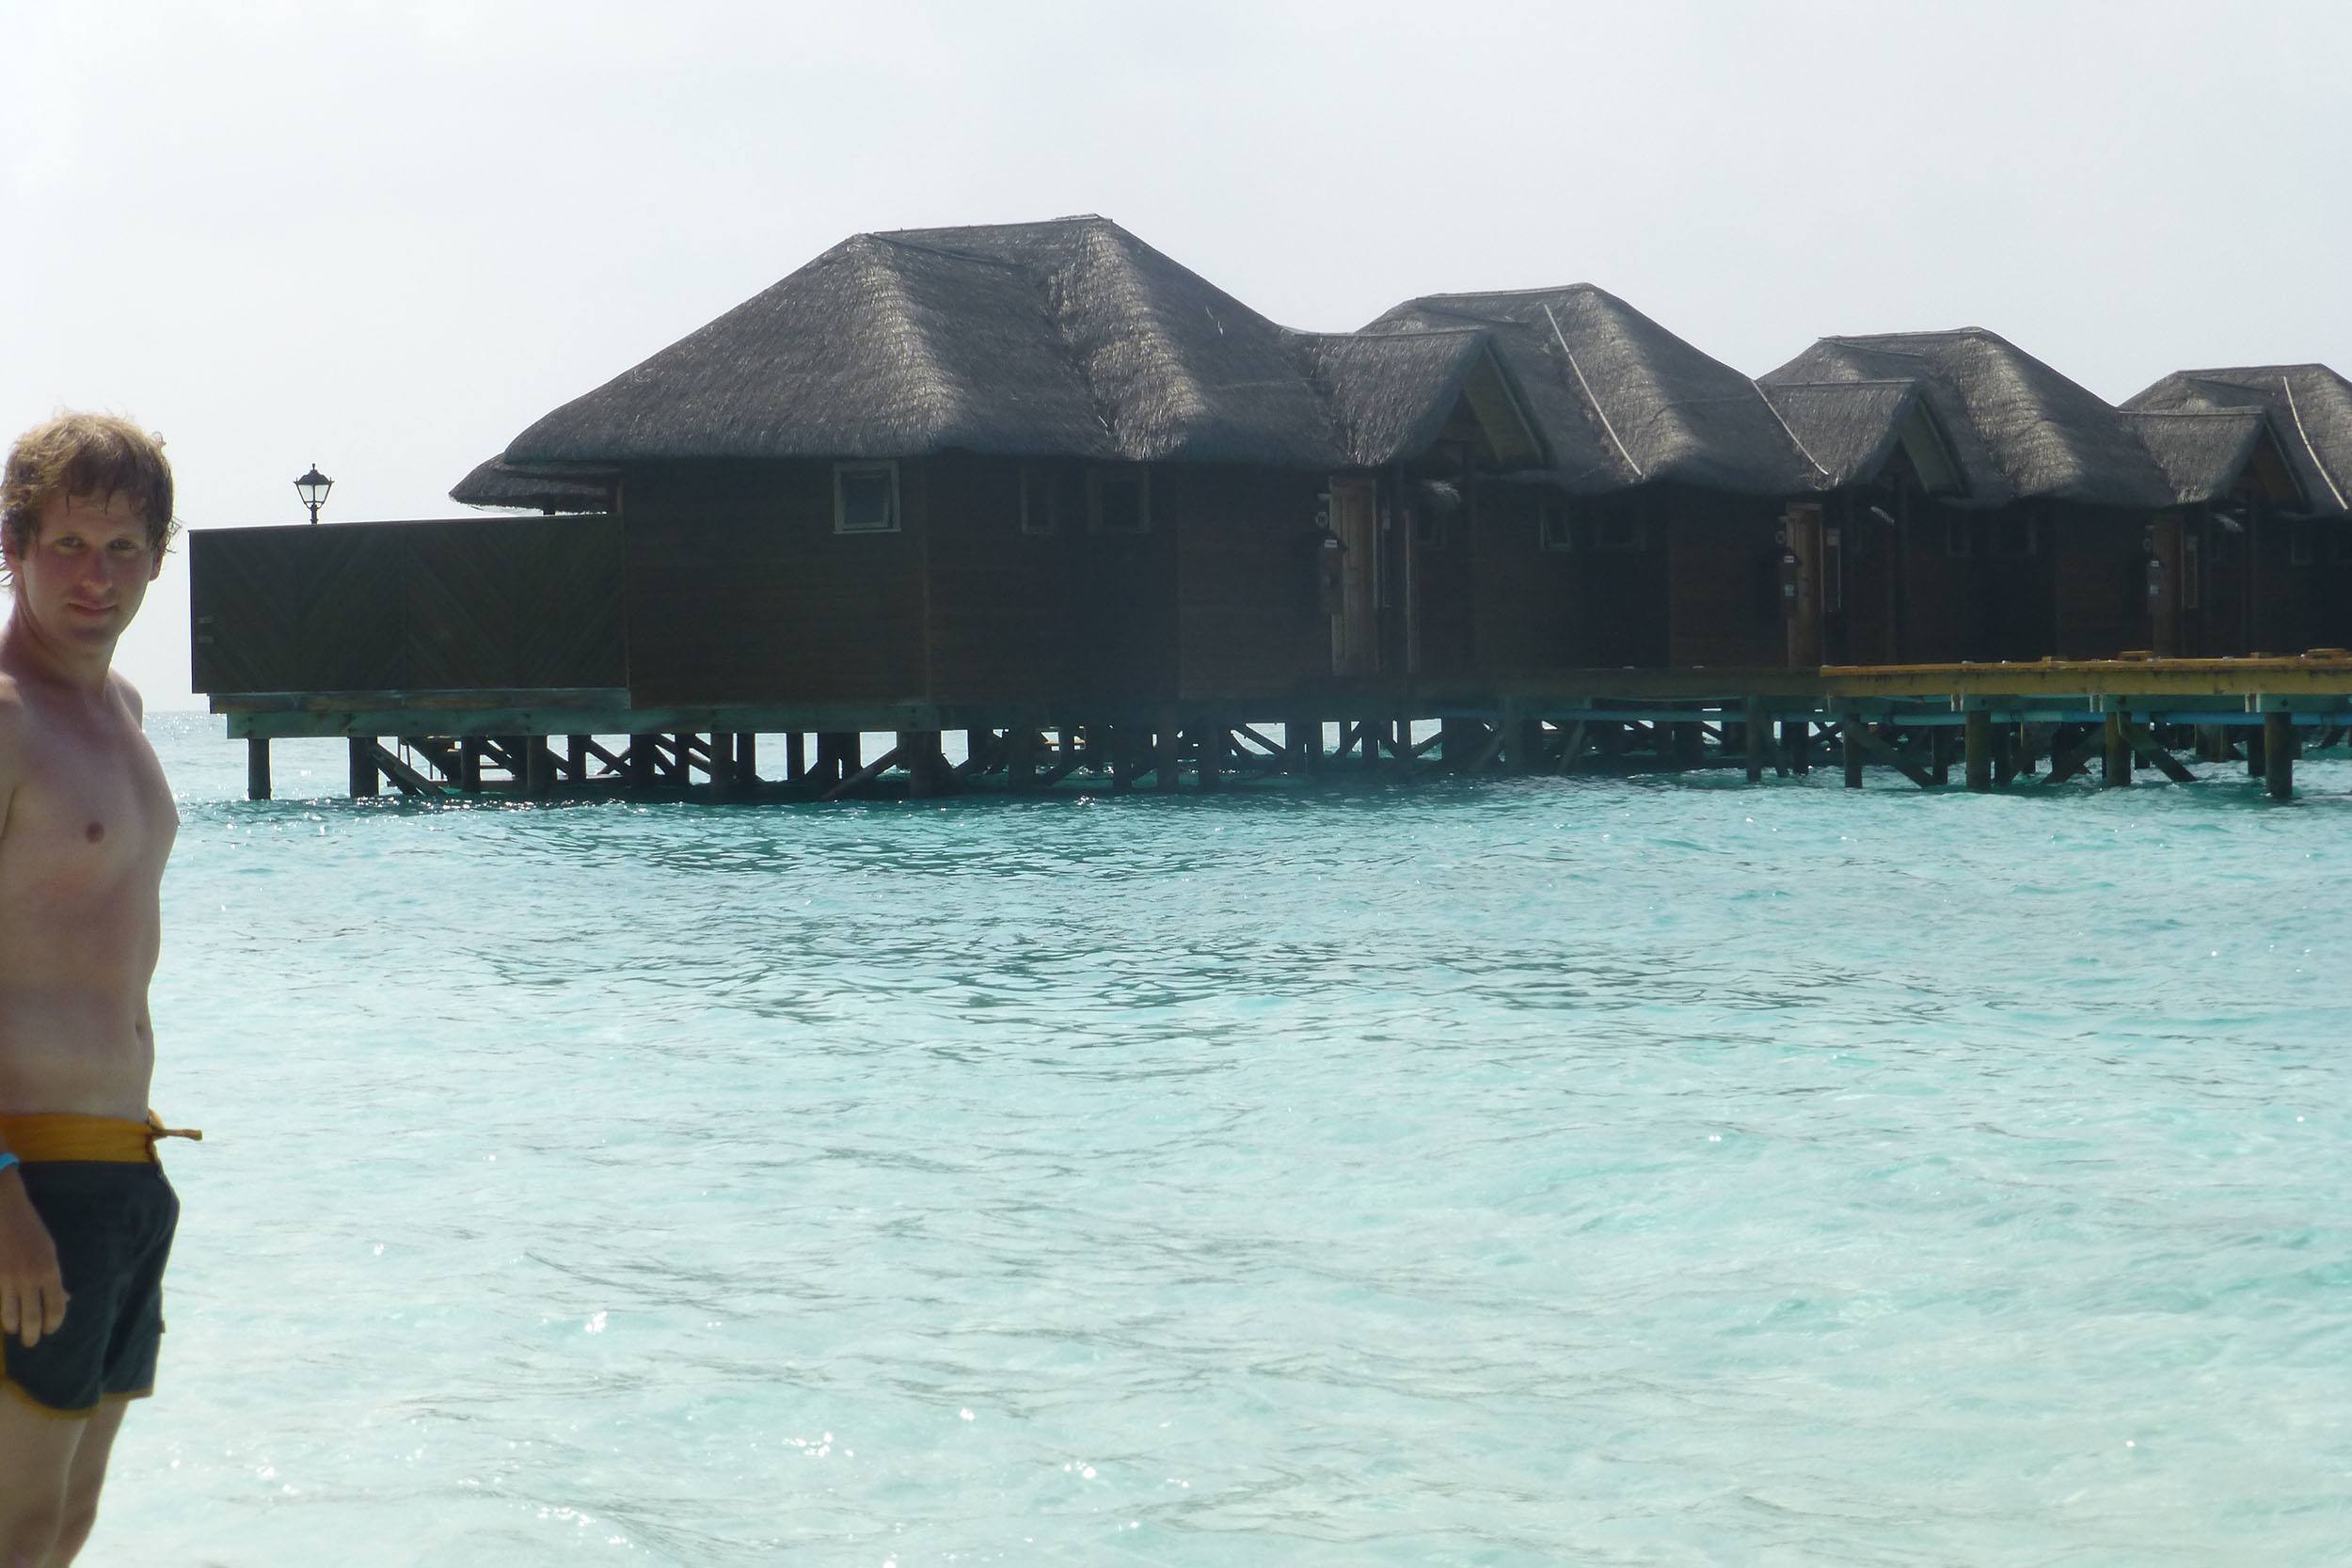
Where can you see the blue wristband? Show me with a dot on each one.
(8, 1160)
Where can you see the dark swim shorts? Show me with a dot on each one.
(111, 1215)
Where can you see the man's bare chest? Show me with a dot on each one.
(90, 812)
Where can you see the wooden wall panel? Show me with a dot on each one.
(456, 604)
(1249, 624)
(1722, 575)
(2098, 561)
(243, 610)
(1531, 613)
(738, 589)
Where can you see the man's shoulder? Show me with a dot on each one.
(126, 693)
(13, 725)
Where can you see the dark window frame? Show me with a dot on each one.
(843, 473)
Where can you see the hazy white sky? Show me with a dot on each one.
(386, 236)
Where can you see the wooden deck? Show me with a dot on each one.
(2050, 721)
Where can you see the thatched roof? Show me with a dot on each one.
(2018, 429)
(2307, 409)
(1066, 338)
(1619, 400)
(494, 483)
(2202, 451)
(1851, 428)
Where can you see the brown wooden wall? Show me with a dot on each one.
(2098, 578)
(1249, 624)
(1444, 574)
(468, 603)
(1723, 577)
(740, 591)
(1062, 613)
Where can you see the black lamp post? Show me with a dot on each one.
(313, 488)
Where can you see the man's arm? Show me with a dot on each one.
(32, 1290)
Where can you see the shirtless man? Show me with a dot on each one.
(86, 822)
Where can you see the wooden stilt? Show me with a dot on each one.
(795, 757)
(1752, 724)
(1168, 754)
(1210, 740)
(1849, 731)
(256, 767)
(364, 782)
(2028, 739)
(538, 775)
(1796, 735)
(746, 760)
(1977, 737)
(2149, 747)
(575, 757)
(2118, 752)
(1021, 758)
(2279, 756)
(640, 763)
(919, 754)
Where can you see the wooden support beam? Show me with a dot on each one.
(2279, 756)
(1168, 754)
(865, 775)
(1978, 735)
(1244, 732)
(1021, 747)
(363, 775)
(405, 778)
(256, 767)
(2117, 737)
(2028, 738)
(539, 766)
(1690, 745)
(1940, 754)
(1880, 751)
(1212, 741)
(641, 762)
(983, 753)
(746, 760)
(1752, 724)
(795, 757)
(575, 757)
(2151, 750)
(1796, 738)
(2070, 755)
(918, 753)
(1572, 747)
(1850, 740)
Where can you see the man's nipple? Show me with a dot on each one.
(95, 832)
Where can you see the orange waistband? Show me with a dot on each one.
(52, 1136)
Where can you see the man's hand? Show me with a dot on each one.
(32, 1293)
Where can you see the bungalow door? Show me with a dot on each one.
(1356, 624)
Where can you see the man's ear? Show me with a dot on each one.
(157, 569)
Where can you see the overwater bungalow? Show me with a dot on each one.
(1033, 463)
(2258, 555)
(1656, 533)
(2007, 505)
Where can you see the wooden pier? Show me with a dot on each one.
(2001, 725)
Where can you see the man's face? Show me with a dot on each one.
(87, 571)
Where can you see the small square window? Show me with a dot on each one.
(1554, 530)
(865, 498)
(1621, 535)
(1119, 501)
(1959, 537)
(1041, 500)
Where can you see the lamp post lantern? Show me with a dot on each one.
(313, 488)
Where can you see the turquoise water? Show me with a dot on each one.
(1619, 1170)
